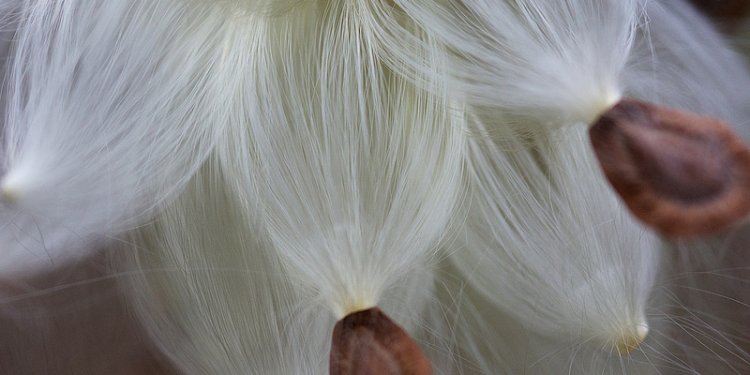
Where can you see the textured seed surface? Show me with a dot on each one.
(683, 174)
(369, 343)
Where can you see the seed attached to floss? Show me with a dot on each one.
(683, 174)
(631, 339)
(367, 342)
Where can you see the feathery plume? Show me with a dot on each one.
(353, 170)
(108, 112)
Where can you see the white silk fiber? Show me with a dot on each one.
(343, 161)
(540, 60)
(703, 304)
(331, 193)
(215, 297)
(359, 169)
(548, 241)
(695, 308)
(679, 60)
(109, 112)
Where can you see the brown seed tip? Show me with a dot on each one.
(683, 174)
(369, 343)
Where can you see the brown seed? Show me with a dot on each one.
(683, 174)
(369, 343)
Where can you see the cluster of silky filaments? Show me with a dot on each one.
(316, 161)
(322, 148)
(106, 119)
(702, 301)
(330, 193)
(546, 245)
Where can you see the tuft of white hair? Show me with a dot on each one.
(679, 60)
(359, 170)
(333, 187)
(213, 294)
(697, 300)
(702, 302)
(340, 165)
(547, 241)
(108, 113)
(539, 63)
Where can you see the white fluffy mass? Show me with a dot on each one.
(263, 168)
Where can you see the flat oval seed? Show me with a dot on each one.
(683, 174)
(369, 343)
